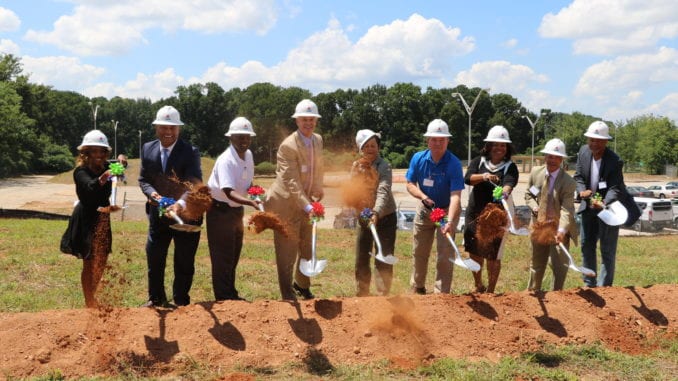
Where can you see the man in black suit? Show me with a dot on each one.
(599, 170)
(160, 158)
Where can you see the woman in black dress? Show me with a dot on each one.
(89, 234)
(492, 167)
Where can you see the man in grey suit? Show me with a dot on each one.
(298, 182)
(600, 182)
(168, 155)
(550, 195)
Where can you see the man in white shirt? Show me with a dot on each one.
(231, 177)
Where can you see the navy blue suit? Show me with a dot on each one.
(184, 162)
(593, 228)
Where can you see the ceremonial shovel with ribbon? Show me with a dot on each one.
(439, 218)
(366, 218)
(314, 266)
(163, 205)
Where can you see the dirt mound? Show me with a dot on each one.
(407, 330)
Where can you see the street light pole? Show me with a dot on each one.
(469, 111)
(532, 124)
(115, 138)
(95, 109)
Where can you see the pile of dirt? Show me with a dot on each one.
(408, 330)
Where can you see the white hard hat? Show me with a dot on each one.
(306, 108)
(598, 130)
(555, 147)
(498, 134)
(241, 125)
(94, 138)
(168, 115)
(363, 136)
(437, 128)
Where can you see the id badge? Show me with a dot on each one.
(534, 191)
(428, 182)
(304, 168)
(602, 185)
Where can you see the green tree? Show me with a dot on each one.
(656, 143)
(18, 140)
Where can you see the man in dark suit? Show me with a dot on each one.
(598, 173)
(160, 158)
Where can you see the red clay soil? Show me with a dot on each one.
(408, 330)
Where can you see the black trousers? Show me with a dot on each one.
(160, 235)
(386, 230)
(225, 230)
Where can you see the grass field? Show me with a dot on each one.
(34, 276)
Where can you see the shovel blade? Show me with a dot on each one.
(467, 263)
(311, 268)
(388, 259)
(521, 231)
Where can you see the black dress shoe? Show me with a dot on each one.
(303, 292)
(419, 290)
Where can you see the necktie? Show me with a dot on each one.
(545, 200)
(163, 158)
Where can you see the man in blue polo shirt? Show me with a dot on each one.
(435, 177)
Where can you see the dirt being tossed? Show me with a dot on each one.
(406, 330)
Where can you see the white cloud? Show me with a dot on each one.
(612, 26)
(502, 76)
(404, 50)
(9, 47)
(154, 86)
(9, 21)
(63, 73)
(628, 73)
(510, 43)
(111, 28)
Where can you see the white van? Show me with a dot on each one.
(656, 214)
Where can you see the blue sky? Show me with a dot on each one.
(607, 58)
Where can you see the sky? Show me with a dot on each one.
(613, 59)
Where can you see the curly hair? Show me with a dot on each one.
(488, 148)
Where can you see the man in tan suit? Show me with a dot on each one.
(298, 182)
(550, 195)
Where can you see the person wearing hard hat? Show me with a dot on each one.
(88, 235)
(231, 177)
(371, 184)
(550, 195)
(600, 182)
(435, 178)
(493, 168)
(298, 183)
(166, 156)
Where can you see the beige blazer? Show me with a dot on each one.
(292, 171)
(563, 198)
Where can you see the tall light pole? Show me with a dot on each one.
(532, 124)
(115, 138)
(95, 109)
(469, 111)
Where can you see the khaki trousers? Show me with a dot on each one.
(423, 234)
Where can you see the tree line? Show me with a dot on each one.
(41, 127)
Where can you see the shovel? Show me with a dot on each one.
(114, 189)
(512, 228)
(180, 225)
(614, 214)
(467, 263)
(314, 266)
(389, 259)
(584, 270)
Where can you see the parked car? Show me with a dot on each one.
(664, 191)
(655, 214)
(673, 183)
(639, 191)
(523, 214)
(674, 204)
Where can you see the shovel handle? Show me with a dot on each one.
(114, 189)
(508, 213)
(261, 207)
(373, 229)
(313, 241)
(175, 217)
(454, 245)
